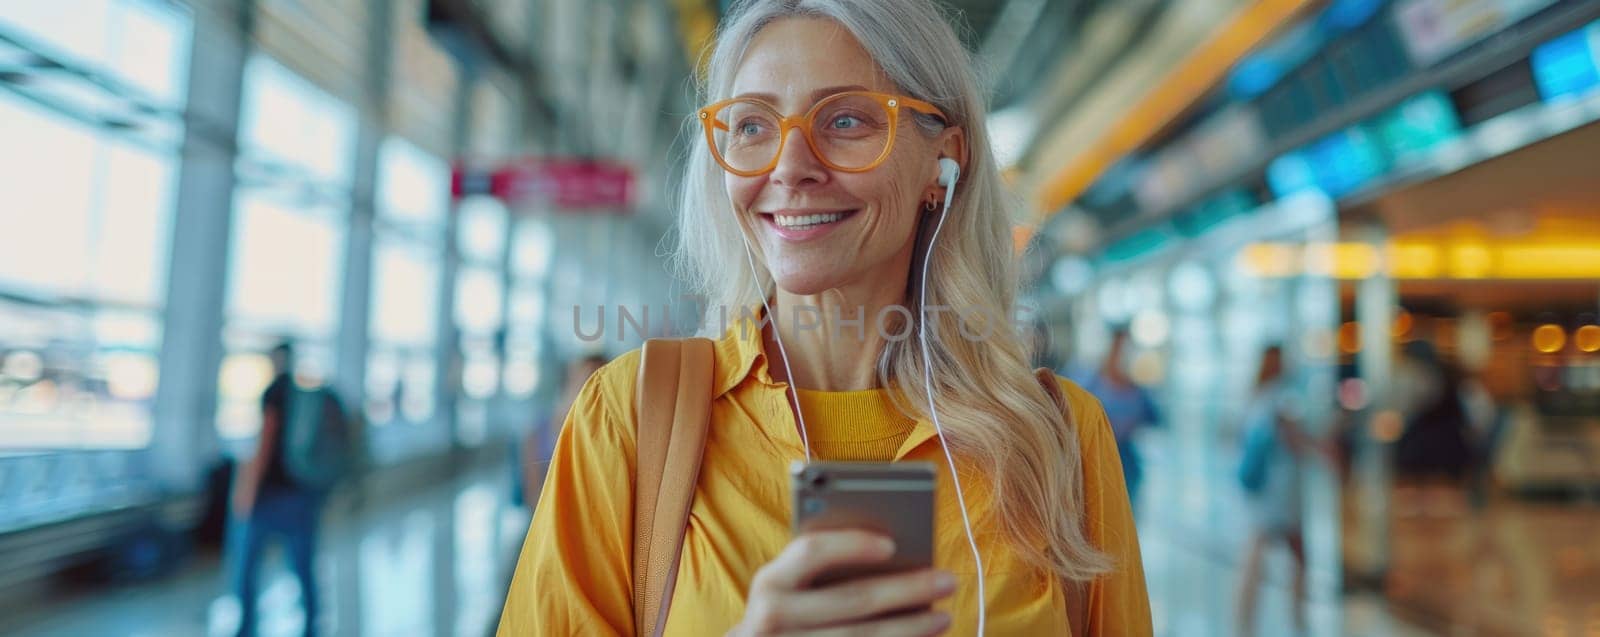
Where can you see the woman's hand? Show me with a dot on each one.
(782, 604)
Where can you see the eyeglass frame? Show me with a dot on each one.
(890, 102)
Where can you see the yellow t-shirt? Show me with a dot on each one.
(575, 574)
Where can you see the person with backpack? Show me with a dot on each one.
(845, 222)
(304, 450)
(1274, 452)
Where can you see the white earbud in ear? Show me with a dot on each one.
(949, 171)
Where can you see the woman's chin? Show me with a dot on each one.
(808, 282)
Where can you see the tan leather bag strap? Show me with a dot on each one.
(673, 409)
(1077, 593)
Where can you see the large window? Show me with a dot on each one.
(479, 312)
(143, 44)
(413, 198)
(291, 211)
(85, 225)
(85, 233)
(530, 262)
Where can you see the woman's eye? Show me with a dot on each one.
(750, 129)
(846, 121)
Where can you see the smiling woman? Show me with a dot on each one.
(889, 176)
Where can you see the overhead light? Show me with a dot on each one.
(1191, 286)
(1071, 275)
(1345, 260)
(1527, 260)
(1413, 260)
(1350, 337)
(1471, 260)
(1272, 260)
(1150, 328)
(1547, 257)
(1587, 338)
(1549, 338)
(1113, 303)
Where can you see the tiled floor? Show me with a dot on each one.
(437, 561)
(1514, 568)
(1193, 533)
(436, 564)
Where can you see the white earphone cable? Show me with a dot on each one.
(755, 279)
(933, 412)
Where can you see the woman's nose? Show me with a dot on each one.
(797, 164)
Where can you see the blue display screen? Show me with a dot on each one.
(1568, 65)
(1410, 131)
(1345, 161)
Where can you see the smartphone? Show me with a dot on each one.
(894, 499)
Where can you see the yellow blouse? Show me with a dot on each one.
(575, 574)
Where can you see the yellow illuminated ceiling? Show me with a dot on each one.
(1057, 179)
(1551, 248)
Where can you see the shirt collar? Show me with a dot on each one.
(741, 354)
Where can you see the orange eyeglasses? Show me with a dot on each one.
(851, 131)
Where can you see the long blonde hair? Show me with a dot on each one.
(993, 410)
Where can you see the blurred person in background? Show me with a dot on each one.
(1275, 450)
(1485, 424)
(886, 87)
(1128, 405)
(268, 504)
(305, 447)
(532, 451)
(1434, 454)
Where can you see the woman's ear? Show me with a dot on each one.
(953, 144)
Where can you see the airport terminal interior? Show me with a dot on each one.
(436, 202)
